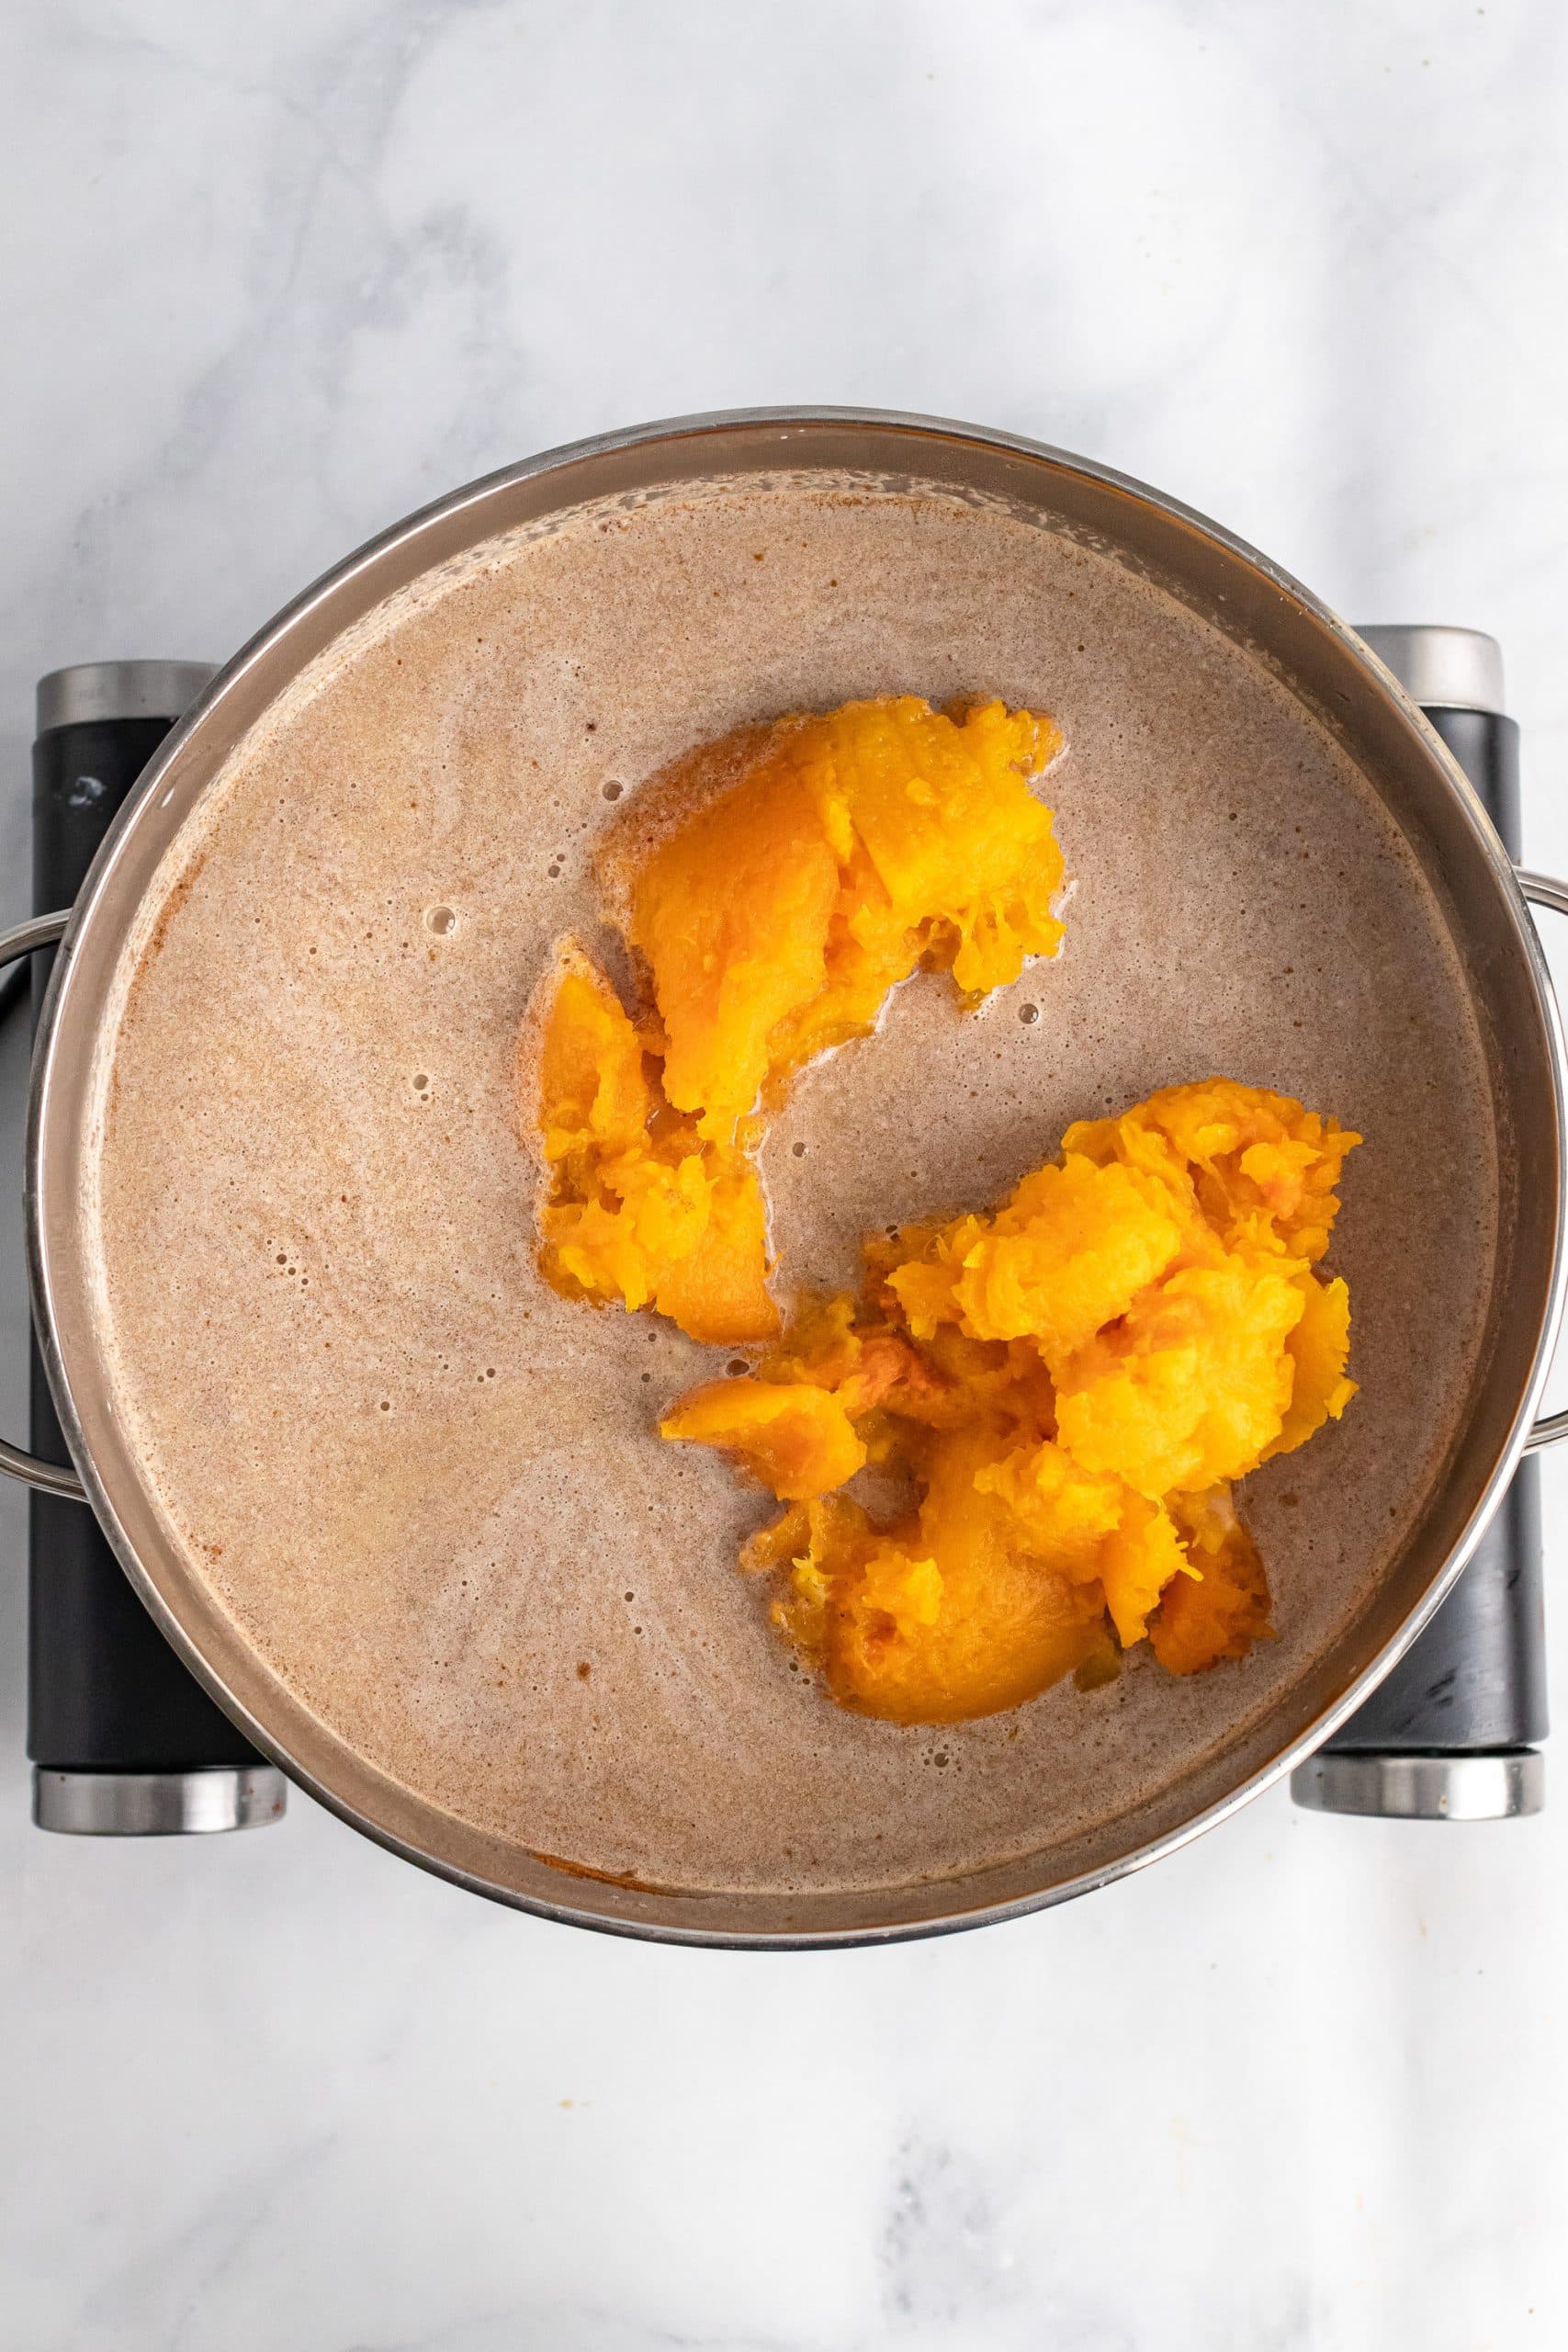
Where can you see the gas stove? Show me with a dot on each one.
(125, 1743)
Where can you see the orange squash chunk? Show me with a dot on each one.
(1093, 1527)
(1261, 1166)
(732, 913)
(1222, 1608)
(961, 848)
(719, 1293)
(1318, 1348)
(594, 1096)
(641, 1209)
(1191, 1388)
(934, 1620)
(798, 1440)
(1067, 1254)
(774, 912)
(775, 918)
(1068, 1388)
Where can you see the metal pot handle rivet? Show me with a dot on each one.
(1541, 890)
(42, 931)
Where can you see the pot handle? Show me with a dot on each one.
(41, 931)
(1541, 890)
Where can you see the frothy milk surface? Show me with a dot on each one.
(429, 1490)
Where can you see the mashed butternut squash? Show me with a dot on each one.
(856, 846)
(773, 918)
(1065, 1390)
(1051, 1401)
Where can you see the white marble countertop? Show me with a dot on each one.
(275, 275)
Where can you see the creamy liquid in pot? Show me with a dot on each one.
(429, 1490)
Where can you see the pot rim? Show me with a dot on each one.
(795, 426)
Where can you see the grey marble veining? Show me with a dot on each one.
(272, 277)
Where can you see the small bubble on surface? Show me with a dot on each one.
(735, 1366)
(1028, 1014)
(798, 1149)
(440, 919)
(613, 791)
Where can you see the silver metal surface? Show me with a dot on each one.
(108, 690)
(1442, 669)
(158, 1804)
(1237, 590)
(39, 930)
(1425, 1788)
(1542, 890)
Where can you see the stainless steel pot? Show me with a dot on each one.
(1326, 665)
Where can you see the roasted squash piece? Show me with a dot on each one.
(1068, 1386)
(1222, 1610)
(731, 912)
(775, 916)
(797, 1440)
(639, 1208)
